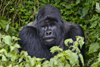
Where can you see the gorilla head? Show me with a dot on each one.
(49, 25)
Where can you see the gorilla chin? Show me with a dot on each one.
(49, 42)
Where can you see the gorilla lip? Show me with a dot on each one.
(49, 39)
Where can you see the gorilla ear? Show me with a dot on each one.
(34, 24)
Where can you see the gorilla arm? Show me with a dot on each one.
(72, 30)
(28, 36)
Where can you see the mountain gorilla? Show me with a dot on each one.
(48, 30)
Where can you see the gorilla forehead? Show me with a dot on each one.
(48, 11)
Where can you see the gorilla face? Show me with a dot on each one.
(47, 29)
(50, 31)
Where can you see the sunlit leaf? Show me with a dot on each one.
(94, 47)
(94, 24)
(55, 49)
(77, 1)
(80, 40)
(9, 65)
(98, 7)
(7, 40)
(7, 27)
(4, 58)
(68, 41)
(38, 65)
(82, 60)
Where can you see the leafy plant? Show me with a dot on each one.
(11, 58)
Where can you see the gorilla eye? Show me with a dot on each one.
(52, 24)
(44, 27)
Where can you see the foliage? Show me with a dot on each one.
(14, 14)
(11, 58)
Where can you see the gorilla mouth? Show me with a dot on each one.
(49, 39)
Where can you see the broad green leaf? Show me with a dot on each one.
(85, 11)
(7, 27)
(55, 49)
(73, 57)
(12, 48)
(82, 60)
(16, 66)
(68, 41)
(2, 25)
(94, 24)
(15, 38)
(38, 65)
(98, 7)
(4, 58)
(51, 63)
(95, 64)
(7, 40)
(9, 65)
(77, 1)
(3, 51)
(16, 45)
(32, 61)
(80, 40)
(94, 47)
(27, 65)
(45, 64)
(67, 65)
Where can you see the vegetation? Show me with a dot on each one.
(14, 14)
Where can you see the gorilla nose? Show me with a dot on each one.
(48, 33)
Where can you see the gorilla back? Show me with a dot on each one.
(48, 30)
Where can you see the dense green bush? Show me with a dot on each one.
(14, 14)
(11, 58)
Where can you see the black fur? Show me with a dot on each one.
(32, 37)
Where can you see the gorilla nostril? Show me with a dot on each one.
(48, 33)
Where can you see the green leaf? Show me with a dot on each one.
(15, 46)
(97, 7)
(68, 41)
(7, 27)
(84, 12)
(45, 64)
(82, 60)
(95, 64)
(77, 1)
(55, 49)
(9, 65)
(38, 65)
(7, 40)
(94, 24)
(4, 58)
(2, 25)
(15, 38)
(12, 48)
(73, 57)
(80, 40)
(67, 65)
(3, 51)
(94, 47)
